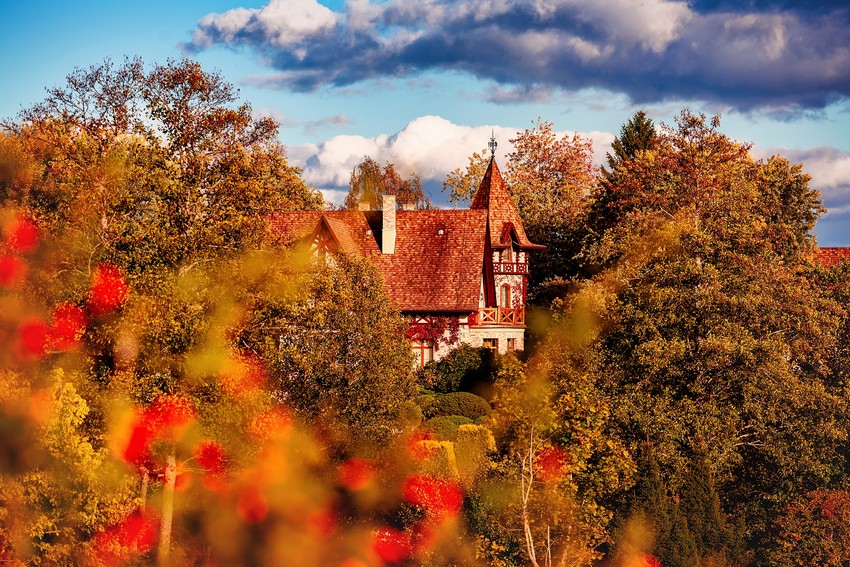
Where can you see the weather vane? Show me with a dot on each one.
(492, 144)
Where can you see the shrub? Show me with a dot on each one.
(456, 367)
(457, 403)
(445, 427)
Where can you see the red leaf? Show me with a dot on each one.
(69, 322)
(34, 335)
(356, 473)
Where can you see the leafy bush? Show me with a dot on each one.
(445, 427)
(457, 365)
(457, 403)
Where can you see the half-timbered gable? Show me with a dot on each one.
(460, 276)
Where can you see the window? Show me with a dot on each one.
(507, 255)
(505, 296)
(492, 344)
(511, 344)
(423, 352)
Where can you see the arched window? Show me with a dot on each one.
(505, 296)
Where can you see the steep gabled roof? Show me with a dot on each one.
(438, 259)
(493, 196)
(437, 265)
(349, 229)
(831, 256)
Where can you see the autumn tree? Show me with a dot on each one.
(142, 183)
(715, 342)
(813, 530)
(548, 177)
(369, 182)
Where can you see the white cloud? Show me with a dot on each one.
(429, 146)
(281, 23)
(288, 21)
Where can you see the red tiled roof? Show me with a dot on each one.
(429, 271)
(829, 257)
(436, 272)
(493, 196)
(349, 229)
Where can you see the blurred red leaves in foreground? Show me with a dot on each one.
(132, 537)
(108, 290)
(34, 335)
(252, 505)
(439, 497)
(37, 338)
(392, 545)
(21, 235)
(159, 421)
(356, 473)
(12, 271)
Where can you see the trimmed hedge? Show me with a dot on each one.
(445, 427)
(456, 403)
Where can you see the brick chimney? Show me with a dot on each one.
(388, 224)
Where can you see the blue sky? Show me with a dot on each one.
(423, 83)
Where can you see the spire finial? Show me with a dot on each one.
(492, 144)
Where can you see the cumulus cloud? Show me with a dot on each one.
(429, 146)
(281, 24)
(790, 55)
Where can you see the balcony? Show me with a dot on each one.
(501, 316)
(510, 267)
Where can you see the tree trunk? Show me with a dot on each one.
(163, 558)
(143, 490)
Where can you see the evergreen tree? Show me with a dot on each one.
(699, 503)
(636, 135)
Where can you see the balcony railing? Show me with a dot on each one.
(510, 267)
(498, 316)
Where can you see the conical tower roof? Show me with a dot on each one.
(502, 215)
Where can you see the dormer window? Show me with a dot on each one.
(441, 231)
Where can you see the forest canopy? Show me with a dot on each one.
(176, 387)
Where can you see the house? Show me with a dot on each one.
(829, 257)
(458, 276)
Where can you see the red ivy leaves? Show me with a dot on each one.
(433, 330)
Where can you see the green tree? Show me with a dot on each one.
(636, 135)
(463, 183)
(337, 352)
(714, 340)
(369, 182)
